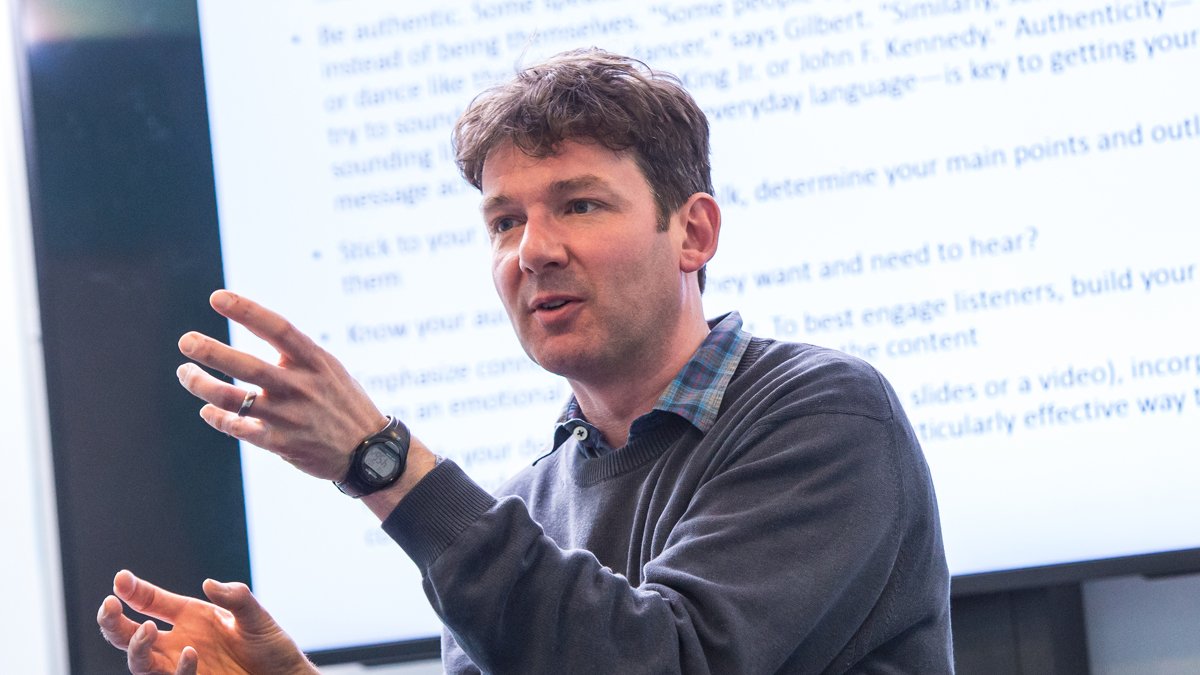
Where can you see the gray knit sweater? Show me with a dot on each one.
(800, 535)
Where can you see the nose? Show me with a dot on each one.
(542, 246)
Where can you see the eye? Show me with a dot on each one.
(502, 225)
(581, 207)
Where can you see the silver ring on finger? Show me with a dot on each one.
(251, 397)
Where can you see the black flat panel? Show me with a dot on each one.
(127, 253)
(1024, 632)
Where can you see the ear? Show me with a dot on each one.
(701, 219)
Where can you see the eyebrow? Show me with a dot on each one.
(584, 182)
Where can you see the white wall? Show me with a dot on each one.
(31, 626)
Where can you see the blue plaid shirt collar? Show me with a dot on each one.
(695, 394)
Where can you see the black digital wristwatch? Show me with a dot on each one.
(378, 461)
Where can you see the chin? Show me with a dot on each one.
(564, 362)
(553, 363)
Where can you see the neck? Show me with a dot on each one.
(612, 405)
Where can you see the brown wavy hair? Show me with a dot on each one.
(595, 96)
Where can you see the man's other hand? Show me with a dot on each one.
(232, 634)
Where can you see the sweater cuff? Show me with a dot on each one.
(432, 515)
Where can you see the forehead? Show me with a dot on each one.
(506, 166)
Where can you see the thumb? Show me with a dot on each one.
(237, 598)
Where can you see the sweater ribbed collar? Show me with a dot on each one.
(694, 394)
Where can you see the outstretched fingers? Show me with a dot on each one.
(225, 411)
(205, 387)
(143, 659)
(188, 661)
(140, 655)
(147, 598)
(277, 331)
(116, 628)
(138, 642)
(236, 598)
(220, 356)
(309, 408)
(242, 428)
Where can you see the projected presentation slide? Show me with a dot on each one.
(992, 201)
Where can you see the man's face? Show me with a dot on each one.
(591, 285)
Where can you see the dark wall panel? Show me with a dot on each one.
(127, 253)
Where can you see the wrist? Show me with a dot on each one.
(378, 461)
(420, 462)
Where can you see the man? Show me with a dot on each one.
(714, 502)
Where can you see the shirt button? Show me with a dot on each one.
(581, 433)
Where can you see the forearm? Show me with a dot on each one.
(473, 550)
(768, 555)
(562, 611)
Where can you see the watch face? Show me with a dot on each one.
(382, 459)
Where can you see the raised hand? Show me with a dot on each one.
(230, 635)
(309, 412)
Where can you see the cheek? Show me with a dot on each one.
(644, 264)
(505, 277)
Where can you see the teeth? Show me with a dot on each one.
(552, 305)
